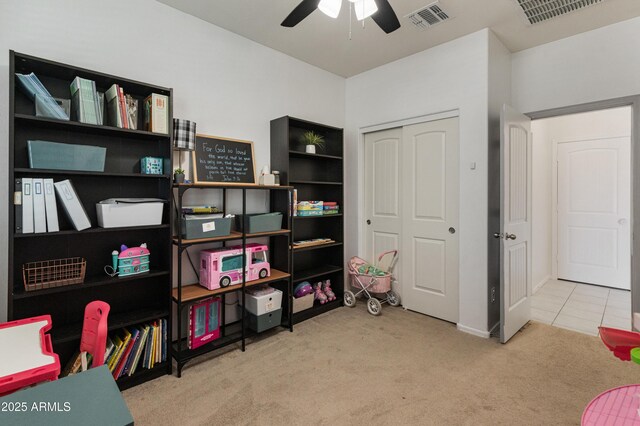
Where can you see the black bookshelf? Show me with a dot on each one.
(315, 177)
(280, 259)
(134, 299)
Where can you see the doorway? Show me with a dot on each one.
(411, 204)
(582, 227)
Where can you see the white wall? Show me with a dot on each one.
(229, 85)
(596, 65)
(452, 76)
(546, 134)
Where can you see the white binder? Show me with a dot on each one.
(72, 205)
(50, 206)
(27, 205)
(39, 215)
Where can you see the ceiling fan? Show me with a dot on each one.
(379, 10)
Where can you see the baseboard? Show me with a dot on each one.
(541, 283)
(473, 331)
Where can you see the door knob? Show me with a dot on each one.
(452, 230)
(622, 221)
(368, 221)
(508, 236)
(497, 235)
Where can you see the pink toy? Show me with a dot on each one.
(94, 332)
(326, 288)
(26, 353)
(319, 294)
(204, 322)
(620, 342)
(223, 267)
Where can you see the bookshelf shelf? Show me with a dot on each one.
(134, 299)
(315, 177)
(48, 172)
(193, 292)
(280, 259)
(89, 283)
(233, 236)
(313, 182)
(324, 216)
(73, 232)
(75, 126)
(301, 154)
(72, 332)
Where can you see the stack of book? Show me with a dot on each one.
(35, 90)
(87, 104)
(156, 113)
(122, 109)
(133, 348)
(330, 207)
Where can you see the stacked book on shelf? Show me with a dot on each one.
(46, 105)
(316, 208)
(122, 109)
(310, 243)
(86, 102)
(129, 350)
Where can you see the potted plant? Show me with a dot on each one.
(312, 140)
(178, 175)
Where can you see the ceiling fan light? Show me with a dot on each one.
(365, 8)
(331, 8)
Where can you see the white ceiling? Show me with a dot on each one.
(324, 42)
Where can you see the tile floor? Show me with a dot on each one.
(581, 307)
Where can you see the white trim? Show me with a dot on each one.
(541, 283)
(408, 121)
(473, 331)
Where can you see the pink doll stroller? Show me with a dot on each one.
(367, 279)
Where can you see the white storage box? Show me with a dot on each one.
(260, 305)
(117, 212)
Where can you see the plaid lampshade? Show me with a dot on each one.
(184, 135)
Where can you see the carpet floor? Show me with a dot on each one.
(347, 367)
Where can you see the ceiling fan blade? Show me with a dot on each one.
(304, 9)
(385, 17)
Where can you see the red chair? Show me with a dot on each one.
(94, 333)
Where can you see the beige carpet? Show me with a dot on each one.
(347, 367)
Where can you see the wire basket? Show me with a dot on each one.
(53, 273)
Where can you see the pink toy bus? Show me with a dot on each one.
(223, 267)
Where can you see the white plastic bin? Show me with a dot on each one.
(117, 212)
(260, 305)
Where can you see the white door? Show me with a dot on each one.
(382, 193)
(594, 211)
(430, 183)
(515, 218)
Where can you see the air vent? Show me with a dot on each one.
(538, 11)
(428, 16)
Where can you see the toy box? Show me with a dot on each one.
(262, 303)
(310, 208)
(152, 166)
(223, 266)
(204, 322)
(132, 261)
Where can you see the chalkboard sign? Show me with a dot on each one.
(223, 161)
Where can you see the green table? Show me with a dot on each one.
(88, 398)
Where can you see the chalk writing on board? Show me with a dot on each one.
(225, 161)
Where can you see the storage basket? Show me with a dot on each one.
(53, 273)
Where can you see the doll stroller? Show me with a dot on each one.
(367, 279)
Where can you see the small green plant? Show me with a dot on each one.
(312, 138)
(178, 171)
